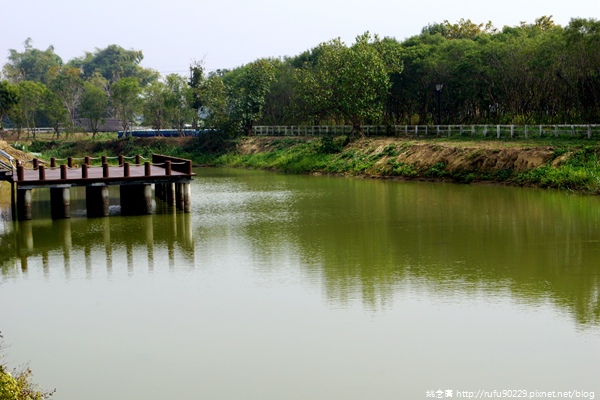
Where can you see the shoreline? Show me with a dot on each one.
(570, 165)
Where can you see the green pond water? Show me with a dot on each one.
(297, 287)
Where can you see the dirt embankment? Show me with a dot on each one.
(16, 154)
(455, 156)
(466, 157)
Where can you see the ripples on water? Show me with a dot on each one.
(299, 287)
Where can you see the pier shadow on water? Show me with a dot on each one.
(112, 243)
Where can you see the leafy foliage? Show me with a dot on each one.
(31, 64)
(114, 63)
(94, 103)
(125, 98)
(18, 385)
(247, 89)
(350, 81)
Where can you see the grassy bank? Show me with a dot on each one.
(560, 164)
(567, 164)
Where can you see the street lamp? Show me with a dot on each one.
(438, 89)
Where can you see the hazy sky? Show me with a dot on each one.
(230, 33)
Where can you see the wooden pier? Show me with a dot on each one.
(171, 177)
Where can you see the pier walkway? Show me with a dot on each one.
(171, 177)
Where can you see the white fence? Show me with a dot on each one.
(486, 131)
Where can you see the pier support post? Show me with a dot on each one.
(179, 196)
(60, 202)
(136, 199)
(170, 193)
(97, 201)
(187, 198)
(24, 204)
(183, 197)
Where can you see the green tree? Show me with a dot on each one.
(125, 100)
(248, 86)
(31, 64)
(55, 111)
(68, 86)
(197, 84)
(94, 105)
(114, 63)
(353, 82)
(466, 29)
(9, 99)
(32, 96)
(155, 105)
(179, 102)
(280, 100)
(583, 72)
(216, 106)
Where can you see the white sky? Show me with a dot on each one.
(230, 33)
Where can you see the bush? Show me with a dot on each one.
(18, 385)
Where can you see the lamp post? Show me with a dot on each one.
(438, 89)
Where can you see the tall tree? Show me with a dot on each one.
(32, 96)
(94, 105)
(68, 86)
(179, 102)
(9, 98)
(55, 111)
(31, 64)
(247, 90)
(114, 63)
(155, 105)
(351, 81)
(197, 84)
(125, 99)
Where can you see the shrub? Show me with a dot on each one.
(18, 385)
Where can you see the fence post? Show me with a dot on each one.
(485, 131)
(512, 131)
(555, 130)
(498, 131)
(541, 130)
(589, 132)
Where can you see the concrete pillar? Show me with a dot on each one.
(170, 193)
(187, 198)
(60, 203)
(136, 199)
(179, 200)
(24, 204)
(97, 201)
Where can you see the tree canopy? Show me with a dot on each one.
(31, 64)
(114, 63)
(537, 72)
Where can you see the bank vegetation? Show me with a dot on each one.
(557, 163)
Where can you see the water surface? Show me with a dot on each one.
(295, 287)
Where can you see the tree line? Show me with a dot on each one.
(450, 73)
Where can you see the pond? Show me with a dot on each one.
(298, 287)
